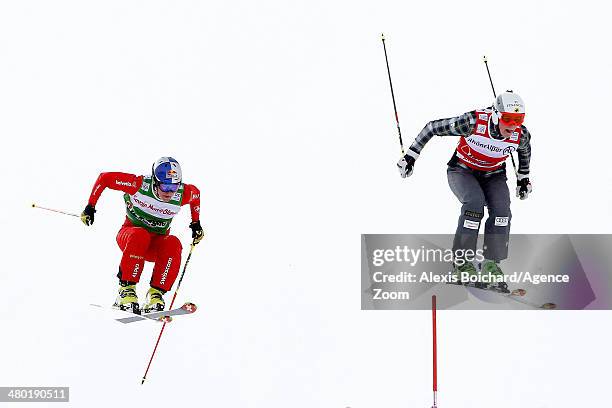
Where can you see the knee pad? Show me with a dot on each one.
(173, 243)
(500, 217)
(140, 237)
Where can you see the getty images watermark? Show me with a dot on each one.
(400, 271)
(413, 256)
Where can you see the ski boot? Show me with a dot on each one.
(127, 299)
(467, 267)
(488, 267)
(154, 301)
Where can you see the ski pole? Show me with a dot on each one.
(435, 352)
(57, 211)
(399, 132)
(489, 73)
(178, 285)
(495, 96)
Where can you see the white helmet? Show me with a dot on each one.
(507, 102)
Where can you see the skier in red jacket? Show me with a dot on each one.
(151, 204)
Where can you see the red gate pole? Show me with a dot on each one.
(435, 352)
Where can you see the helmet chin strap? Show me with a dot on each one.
(155, 193)
(495, 115)
(494, 130)
(154, 190)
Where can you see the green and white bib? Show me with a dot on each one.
(147, 211)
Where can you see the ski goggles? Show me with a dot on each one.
(168, 188)
(508, 118)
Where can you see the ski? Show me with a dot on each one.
(162, 316)
(545, 306)
(518, 295)
(496, 289)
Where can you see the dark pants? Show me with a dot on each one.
(475, 190)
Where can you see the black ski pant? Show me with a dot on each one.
(475, 190)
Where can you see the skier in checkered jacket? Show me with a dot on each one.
(477, 175)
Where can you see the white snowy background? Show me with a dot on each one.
(280, 112)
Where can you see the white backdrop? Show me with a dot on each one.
(280, 113)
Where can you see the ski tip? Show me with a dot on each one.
(143, 380)
(518, 292)
(189, 307)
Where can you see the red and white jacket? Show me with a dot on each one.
(130, 184)
(480, 151)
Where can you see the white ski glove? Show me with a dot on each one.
(523, 186)
(406, 164)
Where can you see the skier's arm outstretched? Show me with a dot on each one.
(191, 196)
(462, 125)
(128, 183)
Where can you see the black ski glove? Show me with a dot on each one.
(87, 216)
(197, 233)
(523, 188)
